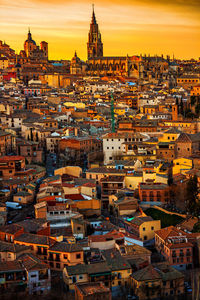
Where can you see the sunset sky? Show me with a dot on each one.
(127, 27)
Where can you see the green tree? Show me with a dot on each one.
(36, 137)
(197, 109)
(192, 202)
(192, 100)
(181, 107)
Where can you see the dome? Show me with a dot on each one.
(29, 39)
(75, 59)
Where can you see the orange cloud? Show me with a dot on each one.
(129, 26)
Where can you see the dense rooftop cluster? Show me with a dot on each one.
(99, 174)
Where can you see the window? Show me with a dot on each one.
(143, 228)
(152, 227)
(78, 256)
(145, 238)
(57, 266)
(65, 256)
(80, 276)
(119, 275)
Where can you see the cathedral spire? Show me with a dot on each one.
(94, 45)
(29, 34)
(93, 15)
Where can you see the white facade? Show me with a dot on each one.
(112, 147)
(39, 281)
(113, 144)
(61, 215)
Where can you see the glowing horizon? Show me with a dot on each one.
(129, 27)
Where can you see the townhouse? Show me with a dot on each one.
(175, 246)
(153, 192)
(112, 144)
(156, 281)
(143, 227)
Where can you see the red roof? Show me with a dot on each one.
(11, 158)
(179, 245)
(47, 198)
(113, 235)
(74, 197)
(170, 232)
(89, 184)
(70, 185)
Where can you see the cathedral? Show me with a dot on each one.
(137, 67)
(32, 52)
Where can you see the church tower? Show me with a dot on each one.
(94, 45)
(29, 45)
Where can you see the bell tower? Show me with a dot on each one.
(94, 45)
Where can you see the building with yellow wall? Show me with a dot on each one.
(75, 104)
(69, 170)
(170, 135)
(182, 165)
(144, 227)
(195, 90)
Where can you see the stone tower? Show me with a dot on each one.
(29, 45)
(94, 45)
(174, 112)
